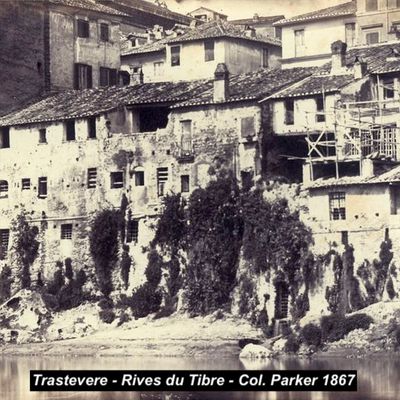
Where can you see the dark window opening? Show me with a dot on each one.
(337, 205)
(39, 67)
(151, 119)
(395, 200)
(70, 130)
(320, 109)
(42, 135)
(185, 183)
(139, 178)
(209, 50)
(25, 184)
(162, 179)
(289, 111)
(247, 179)
(345, 238)
(92, 178)
(117, 180)
(108, 76)
(66, 231)
(83, 76)
(5, 137)
(265, 58)
(247, 127)
(83, 28)
(175, 56)
(4, 243)
(104, 32)
(132, 231)
(92, 128)
(388, 88)
(3, 188)
(42, 187)
(186, 138)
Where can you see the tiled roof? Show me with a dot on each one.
(158, 45)
(348, 8)
(85, 103)
(258, 20)
(90, 5)
(316, 84)
(216, 29)
(253, 85)
(388, 177)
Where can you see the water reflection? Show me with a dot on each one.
(378, 379)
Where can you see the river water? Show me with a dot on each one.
(378, 379)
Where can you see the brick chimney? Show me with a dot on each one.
(359, 68)
(221, 83)
(338, 49)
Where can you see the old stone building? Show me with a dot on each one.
(263, 25)
(206, 14)
(196, 53)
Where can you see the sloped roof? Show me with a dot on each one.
(316, 84)
(90, 5)
(158, 45)
(343, 9)
(252, 86)
(388, 177)
(259, 20)
(217, 29)
(85, 103)
(207, 9)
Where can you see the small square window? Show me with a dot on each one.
(70, 130)
(132, 234)
(92, 178)
(372, 37)
(42, 184)
(42, 136)
(83, 28)
(117, 180)
(185, 183)
(139, 178)
(104, 32)
(25, 184)
(66, 231)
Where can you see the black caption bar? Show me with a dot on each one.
(175, 381)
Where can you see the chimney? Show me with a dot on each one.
(338, 49)
(221, 83)
(256, 17)
(250, 31)
(150, 37)
(159, 32)
(359, 68)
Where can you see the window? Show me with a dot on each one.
(320, 116)
(25, 184)
(83, 28)
(337, 205)
(289, 112)
(371, 5)
(162, 178)
(42, 187)
(265, 57)
(66, 231)
(159, 68)
(345, 238)
(139, 178)
(350, 31)
(108, 76)
(175, 56)
(397, 3)
(42, 135)
(247, 128)
(104, 32)
(3, 188)
(5, 137)
(299, 43)
(83, 76)
(132, 231)
(4, 242)
(186, 138)
(91, 178)
(395, 200)
(185, 183)
(117, 180)
(91, 127)
(70, 130)
(372, 37)
(209, 50)
(388, 88)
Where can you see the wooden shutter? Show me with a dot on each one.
(76, 76)
(89, 77)
(113, 77)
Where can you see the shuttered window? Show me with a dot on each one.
(42, 187)
(108, 76)
(25, 184)
(83, 28)
(83, 76)
(117, 180)
(92, 178)
(132, 234)
(162, 179)
(104, 32)
(3, 188)
(4, 137)
(4, 242)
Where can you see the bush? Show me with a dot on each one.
(106, 303)
(396, 335)
(312, 335)
(69, 273)
(358, 321)
(5, 284)
(126, 262)
(55, 285)
(107, 316)
(145, 300)
(153, 271)
(50, 301)
(124, 317)
(292, 344)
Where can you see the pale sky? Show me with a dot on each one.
(236, 9)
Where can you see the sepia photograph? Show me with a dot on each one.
(199, 199)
